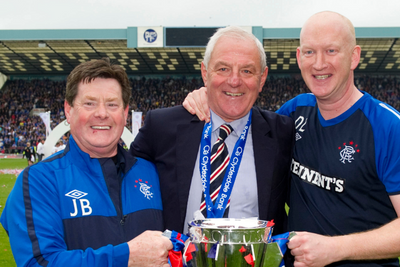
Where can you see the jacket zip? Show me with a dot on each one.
(123, 217)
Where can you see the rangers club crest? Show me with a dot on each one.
(347, 151)
(144, 188)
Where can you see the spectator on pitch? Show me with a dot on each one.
(40, 149)
(29, 153)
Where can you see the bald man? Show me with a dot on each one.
(345, 190)
(346, 165)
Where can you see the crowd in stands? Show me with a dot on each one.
(19, 97)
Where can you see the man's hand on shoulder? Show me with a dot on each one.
(149, 249)
(197, 104)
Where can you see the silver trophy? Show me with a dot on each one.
(227, 243)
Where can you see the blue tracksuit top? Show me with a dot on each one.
(73, 210)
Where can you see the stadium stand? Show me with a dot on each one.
(19, 97)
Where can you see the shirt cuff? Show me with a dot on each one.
(121, 255)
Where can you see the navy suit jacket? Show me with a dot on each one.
(171, 137)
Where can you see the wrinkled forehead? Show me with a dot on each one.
(232, 45)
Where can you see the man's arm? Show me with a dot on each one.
(196, 103)
(34, 223)
(317, 250)
(142, 146)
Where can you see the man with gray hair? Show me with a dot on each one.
(251, 164)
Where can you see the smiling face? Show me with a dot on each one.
(97, 117)
(328, 55)
(233, 78)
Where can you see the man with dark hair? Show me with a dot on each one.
(98, 69)
(91, 204)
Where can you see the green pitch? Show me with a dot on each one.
(6, 184)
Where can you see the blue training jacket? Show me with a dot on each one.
(73, 210)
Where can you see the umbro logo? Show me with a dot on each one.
(298, 136)
(76, 194)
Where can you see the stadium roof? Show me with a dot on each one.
(57, 52)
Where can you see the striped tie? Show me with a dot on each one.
(219, 162)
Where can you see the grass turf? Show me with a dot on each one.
(6, 184)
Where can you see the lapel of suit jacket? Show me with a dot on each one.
(187, 147)
(264, 157)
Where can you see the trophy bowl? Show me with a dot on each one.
(227, 242)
